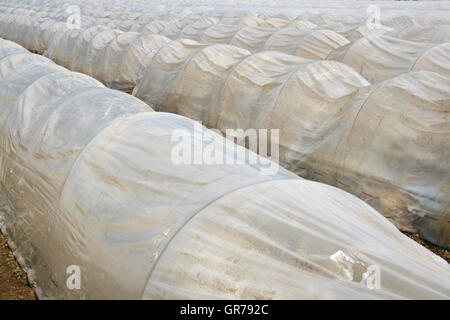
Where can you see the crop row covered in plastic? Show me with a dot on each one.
(88, 179)
(332, 127)
(314, 44)
(316, 104)
(380, 57)
(375, 54)
(346, 19)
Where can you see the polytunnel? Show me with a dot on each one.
(439, 16)
(323, 150)
(435, 59)
(174, 30)
(127, 57)
(341, 28)
(166, 66)
(81, 46)
(48, 32)
(34, 34)
(138, 57)
(116, 58)
(309, 44)
(8, 27)
(195, 30)
(92, 62)
(186, 78)
(106, 191)
(220, 33)
(110, 23)
(18, 29)
(155, 27)
(380, 57)
(128, 25)
(56, 42)
(252, 38)
(408, 114)
(189, 77)
(285, 15)
(226, 88)
(429, 33)
(246, 19)
(65, 55)
(365, 31)
(290, 94)
(400, 21)
(4, 24)
(301, 25)
(274, 23)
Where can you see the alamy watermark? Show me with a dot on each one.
(209, 147)
(374, 20)
(73, 21)
(73, 281)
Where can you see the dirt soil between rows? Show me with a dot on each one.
(14, 284)
(13, 280)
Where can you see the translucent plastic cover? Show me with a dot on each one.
(88, 180)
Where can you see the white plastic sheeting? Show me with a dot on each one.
(313, 105)
(380, 57)
(378, 53)
(220, 33)
(174, 76)
(189, 83)
(395, 156)
(117, 58)
(315, 44)
(345, 19)
(303, 42)
(310, 44)
(88, 179)
(100, 51)
(429, 33)
(48, 115)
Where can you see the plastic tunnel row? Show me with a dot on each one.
(334, 128)
(89, 179)
(131, 16)
(314, 44)
(376, 56)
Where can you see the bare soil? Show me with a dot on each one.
(13, 280)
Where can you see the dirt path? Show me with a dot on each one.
(13, 280)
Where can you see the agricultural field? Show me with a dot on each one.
(224, 149)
